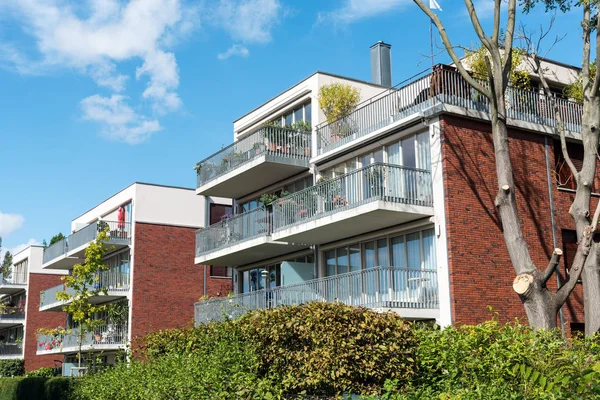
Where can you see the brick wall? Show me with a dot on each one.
(481, 273)
(37, 319)
(166, 282)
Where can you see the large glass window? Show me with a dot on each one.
(414, 251)
(300, 113)
(411, 152)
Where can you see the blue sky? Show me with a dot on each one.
(97, 94)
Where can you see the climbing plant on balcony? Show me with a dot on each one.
(83, 283)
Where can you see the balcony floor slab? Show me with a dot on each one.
(111, 296)
(247, 252)
(361, 219)
(253, 175)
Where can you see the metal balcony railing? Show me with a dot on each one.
(55, 250)
(386, 182)
(443, 86)
(117, 231)
(14, 278)
(108, 334)
(112, 280)
(380, 287)
(11, 349)
(373, 182)
(12, 312)
(270, 140)
(233, 230)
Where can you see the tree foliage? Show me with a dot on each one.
(337, 100)
(517, 76)
(6, 265)
(83, 281)
(56, 238)
(575, 90)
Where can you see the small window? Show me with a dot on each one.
(220, 272)
(564, 177)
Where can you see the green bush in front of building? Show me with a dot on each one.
(12, 368)
(37, 388)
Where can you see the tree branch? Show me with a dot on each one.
(554, 260)
(583, 250)
(496, 32)
(508, 39)
(477, 25)
(461, 69)
(596, 86)
(585, 63)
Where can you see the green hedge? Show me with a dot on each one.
(59, 388)
(320, 348)
(12, 368)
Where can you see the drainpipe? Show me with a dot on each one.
(551, 197)
(204, 294)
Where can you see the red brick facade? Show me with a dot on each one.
(481, 274)
(166, 282)
(37, 319)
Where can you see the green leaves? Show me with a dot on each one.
(337, 100)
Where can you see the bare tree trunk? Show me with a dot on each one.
(591, 275)
(540, 304)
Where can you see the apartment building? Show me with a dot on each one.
(151, 281)
(392, 206)
(19, 317)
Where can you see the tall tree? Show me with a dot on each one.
(6, 265)
(56, 238)
(585, 90)
(83, 281)
(541, 304)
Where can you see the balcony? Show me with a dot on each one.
(411, 293)
(115, 282)
(105, 338)
(239, 240)
(70, 251)
(15, 283)
(11, 350)
(367, 199)
(265, 157)
(11, 316)
(429, 94)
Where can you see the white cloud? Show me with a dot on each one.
(247, 21)
(10, 223)
(95, 35)
(120, 121)
(354, 10)
(235, 50)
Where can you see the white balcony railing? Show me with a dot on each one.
(380, 287)
(269, 140)
(113, 280)
(443, 86)
(118, 232)
(107, 335)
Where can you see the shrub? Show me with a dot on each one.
(44, 372)
(193, 363)
(337, 100)
(329, 348)
(317, 348)
(59, 388)
(11, 368)
(494, 361)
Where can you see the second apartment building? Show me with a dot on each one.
(392, 206)
(152, 281)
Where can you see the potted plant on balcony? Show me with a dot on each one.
(338, 101)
